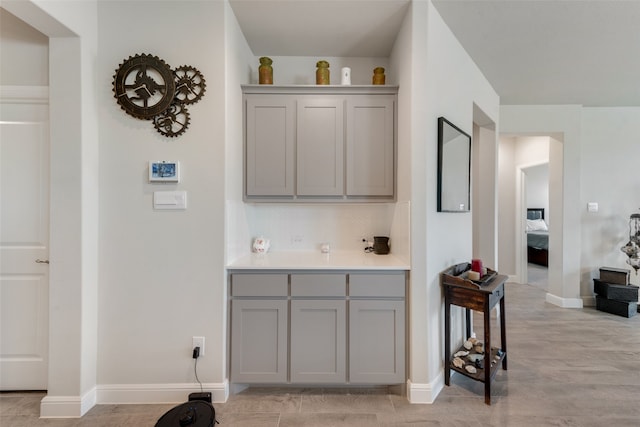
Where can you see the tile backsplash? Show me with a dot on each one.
(306, 227)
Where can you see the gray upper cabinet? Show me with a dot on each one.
(269, 155)
(320, 143)
(370, 148)
(320, 146)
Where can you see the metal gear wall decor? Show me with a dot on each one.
(173, 121)
(190, 84)
(147, 88)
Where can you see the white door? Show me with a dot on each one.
(24, 239)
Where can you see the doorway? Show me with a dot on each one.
(24, 242)
(530, 176)
(24, 212)
(535, 201)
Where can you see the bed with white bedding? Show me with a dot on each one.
(537, 237)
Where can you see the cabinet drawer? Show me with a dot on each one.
(259, 285)
(318, 285)
(377, 285)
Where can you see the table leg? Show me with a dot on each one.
(487, 353)
(468, 320)
(447, 341)
(503, 333)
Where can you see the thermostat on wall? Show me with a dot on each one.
(170, 200)
(164, 171)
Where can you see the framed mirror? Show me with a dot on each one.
(454, 168)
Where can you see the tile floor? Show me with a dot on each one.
(537, 276)
(567, 367)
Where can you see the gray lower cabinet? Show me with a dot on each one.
(316, 327)
(376, 341)
(259, 332)
(377, 328)
(318, 341)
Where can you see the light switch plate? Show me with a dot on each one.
(592, 207)
(164, 200)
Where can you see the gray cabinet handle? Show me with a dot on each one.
(42, 261)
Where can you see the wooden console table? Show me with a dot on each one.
(479, 296)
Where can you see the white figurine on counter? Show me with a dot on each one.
(261, 245)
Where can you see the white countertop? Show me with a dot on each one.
(311, 260)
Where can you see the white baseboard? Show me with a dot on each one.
(425, 393)
(67, 406)
(76, 406)
(158, 393)
(564, 302)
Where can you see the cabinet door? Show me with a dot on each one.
(269, 133)
(318, 341)
(320, 146)
(259, 341)
(376, 341)
(370, 145)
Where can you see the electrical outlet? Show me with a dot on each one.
(198, 342)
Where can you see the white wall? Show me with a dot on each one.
(24, 53)
(506, 206)
(444, 82)
(610, 154)
(484, 202)
(564, 168)
(599, 155)
(162, 277)
(239, 64)
(538, 187)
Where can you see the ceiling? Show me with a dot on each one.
(531, 51)
(320, 27)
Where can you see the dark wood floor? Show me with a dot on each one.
(567, 367)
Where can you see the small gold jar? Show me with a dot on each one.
(378, 76)
(322, 73)
(265, 71)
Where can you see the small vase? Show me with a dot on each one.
(322, 73)
(378, 76)
(265, 71)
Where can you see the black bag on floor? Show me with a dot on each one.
(195, 413)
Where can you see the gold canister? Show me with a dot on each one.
(378, 76)
(322, 73)
(265, 71)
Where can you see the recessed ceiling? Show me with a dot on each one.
(531, 51)
(356, 28)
